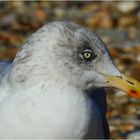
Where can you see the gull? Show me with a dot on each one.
(49, 90)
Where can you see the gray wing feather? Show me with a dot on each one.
(4, 64)
(99, 97)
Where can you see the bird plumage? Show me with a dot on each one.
(44, 91)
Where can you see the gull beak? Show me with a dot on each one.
(125, 83)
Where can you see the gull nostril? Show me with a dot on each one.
(130, 82)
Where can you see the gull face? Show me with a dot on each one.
(86, 59)
(69, 53)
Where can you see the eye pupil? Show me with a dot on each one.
(87, 55)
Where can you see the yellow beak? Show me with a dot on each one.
(125, 83)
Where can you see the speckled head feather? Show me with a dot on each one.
(54, 52)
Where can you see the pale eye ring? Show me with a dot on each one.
(87, 55)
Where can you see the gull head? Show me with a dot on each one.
(64, 53)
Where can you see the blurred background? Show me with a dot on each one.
(117, 23)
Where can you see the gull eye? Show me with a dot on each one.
(87, 55)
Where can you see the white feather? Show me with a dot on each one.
(41, 98)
